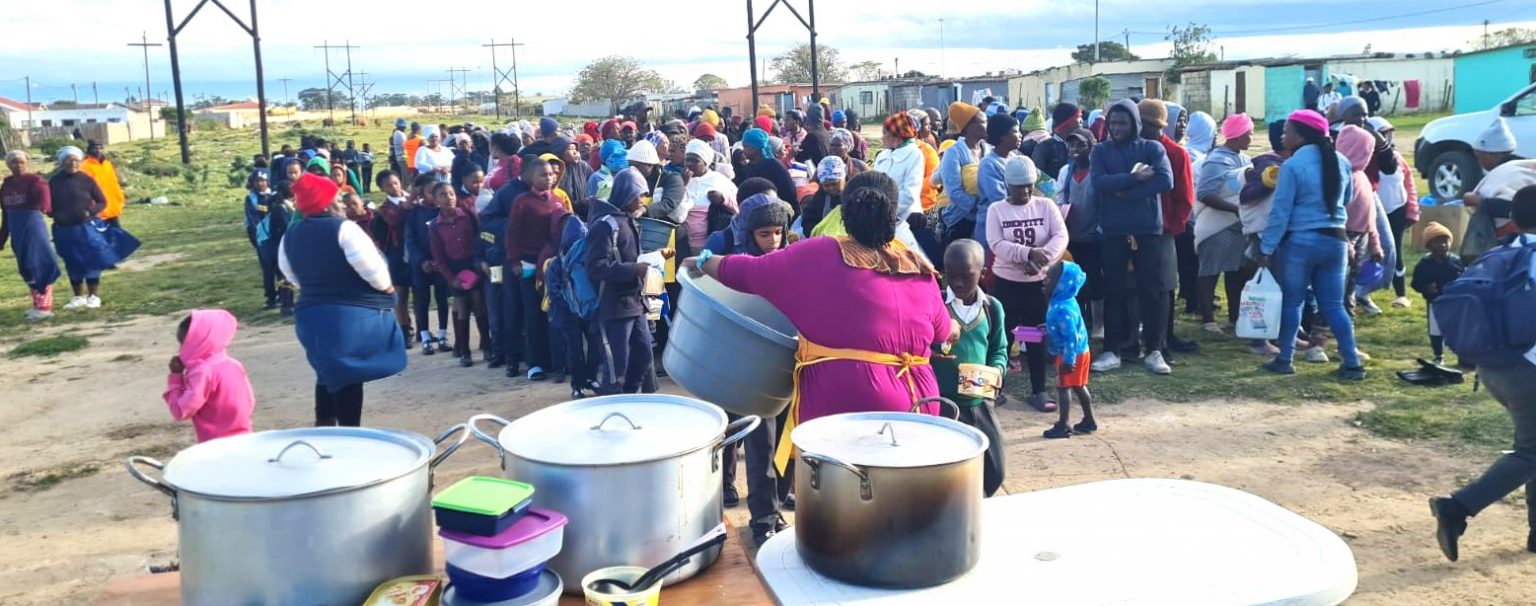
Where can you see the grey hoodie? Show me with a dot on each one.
(1127, 206)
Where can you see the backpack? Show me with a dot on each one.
(581, 292)
(1481, 313)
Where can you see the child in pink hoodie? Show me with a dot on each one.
(205, 384)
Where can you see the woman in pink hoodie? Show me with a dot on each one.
(205, 384)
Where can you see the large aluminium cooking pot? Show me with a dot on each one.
(313, 516)
(888, 499)
(638, 476)
(730, 348)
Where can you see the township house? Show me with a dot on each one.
(106, 122)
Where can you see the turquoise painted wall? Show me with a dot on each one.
(1485, 79)
(1282, 90)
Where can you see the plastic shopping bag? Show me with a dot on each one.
(1258, 313)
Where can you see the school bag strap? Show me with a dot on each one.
(994, 312)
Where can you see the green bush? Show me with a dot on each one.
(50, 147)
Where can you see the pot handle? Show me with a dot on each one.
(472, 425)
(291, 446)
(739, 429)
(610, 416)
(814, 461)
(132, 463)
(942, 401)
(462, 429)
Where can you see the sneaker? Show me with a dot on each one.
(1156, 364)
(1279, 367)
(732, 498)
(1213, 328)
(92, 302)
(1264, 348)
(1352, 374)
(75, 303)
(1450, 524)
(1402, 302)
(1368, 306)
(426, 348)
(442, 344)
(1086, 426)
(577, 394)
(1316, 355)
(1106, 362)
(1058, 431)
(764, 529)
(1439, 360)
(37, 314)
(536, 374)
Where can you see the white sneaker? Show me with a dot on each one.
(1402, 302)
(1213, 328)
(75, 303)
(1368, 306)
(92, 302)
(1107, 361)
(1155, 363)
(1316, 355)
(35, 314)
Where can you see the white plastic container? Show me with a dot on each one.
(532, 540)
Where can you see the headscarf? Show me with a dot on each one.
(614, 156)
(704, 130)
(763, 122)
(320, 162)
(1311, 119)
(1033, 122)
(609, 129)
(694, 112)
(757, 138)
(1350, 102)
(591, 130)
(839, 118)
(313, 194)
(627, 184)
(739, 224)
(1065, 118)
(710, 117)
(70, 150)
(585, 138)
(841, 135)
(429, 130)
(1357, 145)
(831, 168)
(1201, 135)
(701, 149)
(1236, 125)
(764, 110)
(960, 115)
(899, 125)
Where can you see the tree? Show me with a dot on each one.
(794, 66)
(616, 79)
(314, 99)
(709, 82)
(912, 73)
(1093, 92)
(1191, 46)
(867, 70)
(1108, 51)
(1505, 37)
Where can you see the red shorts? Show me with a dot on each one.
(1079, 376)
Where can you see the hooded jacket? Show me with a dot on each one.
(1064, 319)
(1127, 206)
(613, 246)
(493, 220)
(213, 391)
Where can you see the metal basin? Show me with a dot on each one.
(731, 349)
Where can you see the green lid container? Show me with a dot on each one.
(484, 496)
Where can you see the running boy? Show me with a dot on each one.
(1430, 276)
(205, 384)
(1069, 343)
(982, 342)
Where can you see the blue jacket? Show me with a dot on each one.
(255, 208)
(493, 220)
(418, 247)
(962, 205)
(611, 257)
(1298, 200)
(1127, 206)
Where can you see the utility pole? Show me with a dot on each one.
(941, 47)
(1096, 38)
(95, 96)
(172, 29)
(29, 101)
(1485, 33)
(365, 87)
(1127, 33)
(453, 86)
(285, 82)
(74, 92)
(501, 76)
(898, 67)
(439, 83)
(333, 79)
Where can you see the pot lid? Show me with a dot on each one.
(296, 462)
(615, 430)
(889, 439)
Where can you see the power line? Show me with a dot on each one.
(1358, 21)
(501, 76)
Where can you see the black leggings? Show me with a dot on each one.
(1024, 304)
(421, 282)
(1398, 221)
(344, 407)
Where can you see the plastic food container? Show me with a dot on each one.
(420, 590)
(546, 593)
(1028, 334)
(650, 596)
(488, 589)
(482, 505)
(531, 541)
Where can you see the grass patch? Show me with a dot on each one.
(43, 479)
(49, 346)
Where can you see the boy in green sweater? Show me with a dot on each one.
(982, 342)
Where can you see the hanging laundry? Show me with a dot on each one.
(1411, 91)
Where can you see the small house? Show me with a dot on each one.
(1486, 78)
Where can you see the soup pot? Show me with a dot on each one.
(717, 328)
(311, 516)
(638, 476)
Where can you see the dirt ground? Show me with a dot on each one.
(72, 520)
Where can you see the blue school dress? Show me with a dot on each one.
(347, 328)
(34, 256)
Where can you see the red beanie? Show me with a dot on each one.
(312, 194)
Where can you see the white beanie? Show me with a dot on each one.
(1020, 170)
(1497, 139)
(643, 152)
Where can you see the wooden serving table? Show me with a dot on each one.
(731, 580)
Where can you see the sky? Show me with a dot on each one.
(559, 38)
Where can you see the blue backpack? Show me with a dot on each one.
(581, 292)
(1485, 314)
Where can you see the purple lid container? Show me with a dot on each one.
(536, 523)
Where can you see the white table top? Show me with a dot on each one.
(1123, 542)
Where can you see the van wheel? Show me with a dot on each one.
(1454, 173)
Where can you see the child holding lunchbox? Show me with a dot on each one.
(971, 371)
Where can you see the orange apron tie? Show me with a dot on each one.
(811, 354)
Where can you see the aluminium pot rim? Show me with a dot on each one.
(421, 440)
(757, 328)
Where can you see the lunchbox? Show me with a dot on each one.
(546, 593)
(487, 589)
(421, 590)
(482, 505)
(532, 541)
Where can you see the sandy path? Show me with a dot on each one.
(66, 541)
